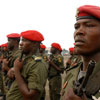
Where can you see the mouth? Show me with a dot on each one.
(79, 42)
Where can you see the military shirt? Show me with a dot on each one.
(58, 60)
(34, 73)
(92, 85)
(44, 56)
(12, 56)
(73, 60)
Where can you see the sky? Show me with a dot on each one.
(55, 19)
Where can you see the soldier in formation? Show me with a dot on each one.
(56, 67)
(83, 81)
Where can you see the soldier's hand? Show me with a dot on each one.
(70, 95)
(50, 61)
(11, 73)
(5, 62)
(5, 65)
(1, 59)
(18, 65)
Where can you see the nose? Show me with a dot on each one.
(21, 43)
(80, 30)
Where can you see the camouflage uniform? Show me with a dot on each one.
(35, 75)
(54, 77)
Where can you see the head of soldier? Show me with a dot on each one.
(13, 41)
(31, 40)
(87, 30)
(55, 48)
(71, 50)
(42, 48)
(4, 47)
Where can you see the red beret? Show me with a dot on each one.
(60, 49)
(88, 11)
(42, 46)
(13, 35)
(32, 35)
(56, 45)
(71, 49)
(4, 45)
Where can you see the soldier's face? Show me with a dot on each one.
(10, 44)
(87, 36)
(42, 50)
(26, 46)
(53, 50)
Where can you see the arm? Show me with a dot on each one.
(5, 65)
(55, 66)
(27, 93)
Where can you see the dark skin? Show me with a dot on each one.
(87, 44)
(12, 45)
(29, 48)
(42, 50)
(55, 51)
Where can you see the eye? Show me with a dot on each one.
(90, 25)
(23, 40)
(76, 26)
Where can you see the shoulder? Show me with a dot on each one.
(59, 58)
(37, 59)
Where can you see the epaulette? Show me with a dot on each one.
(38, 59)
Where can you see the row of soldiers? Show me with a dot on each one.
(25, 74)
(25, 68)
(11, 51)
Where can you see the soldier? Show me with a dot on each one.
(74, 58)
(56, 67)
(87, 44)
(13, 46)
(30, 72)
(4, 52)
(44, 56)
(12, 54)
(42, 52)
(71, 52)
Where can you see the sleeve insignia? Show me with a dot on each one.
(59, 60)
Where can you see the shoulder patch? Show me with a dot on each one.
(38, 59)
(59, 59)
